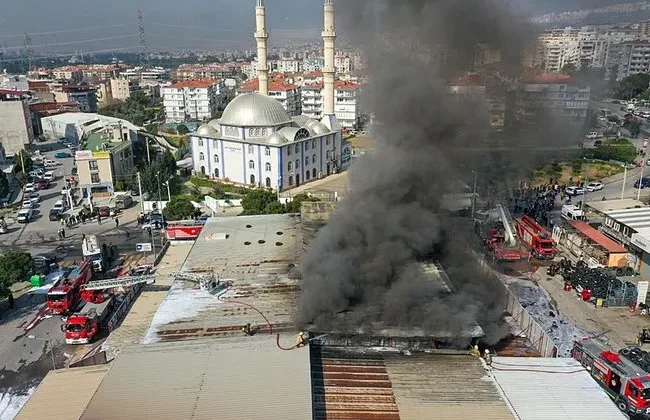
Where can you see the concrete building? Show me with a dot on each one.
(343, 64)
(201, 71)
(490, 91)
(256, 142)
(85, 95)
(120, 88)
(551, 95)
(139, 74)
(68, 73)
(628, 58)
(286, 65)
(279, 88)
(313, 64)
(16, 123)
(346, 107)
(192, 100)
(101, 162)
(74, 126)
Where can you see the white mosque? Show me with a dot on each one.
(256, 142)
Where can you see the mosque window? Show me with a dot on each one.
(201, 156)
(327, 141)
(250, 132)
(200, 142)
(313, 144)
(290, 179)
(268, 167)
(327, 155)
(251, 149)
(297, 148)
(306, 145)
(290, 166)
(307, 161)
(297, 164)
(257, 132)
(313, 159)
(267, 151)
(215, 144)
(216, 158)
(289, 151)
(251, 164)
(264, 132)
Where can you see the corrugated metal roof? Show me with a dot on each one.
(247, 378)
(63, 394)
(636, 218)
(612, 205)
(558, 393)
(444, 387)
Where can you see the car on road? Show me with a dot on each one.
(153, 225)
(49, 176)
(27, 204)
(55, 215)
(62, 155)
(44, 263)
(59, 206)
(25, 216)
(29, 188)
(42, 184)
(594, 135)
(573, 191)
(62, 140)
(594, 186)
(104, 211)
(642, 183)
(34, 197)
(50, 162)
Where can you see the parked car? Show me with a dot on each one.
(62, 155)
(594, 186)
(59, 206)
(135, 193)
(49, 176)
(44, 263)
(104, 211)
(25, 215)
(36, 173)
(642, 183)
(123, 202)
(29, 188)
(34, 197)
(573, 191)
(593, 135)
(55, 215)
(27, 204)
(62, 140)
(50, 162)
(42, 184)
(598, 143)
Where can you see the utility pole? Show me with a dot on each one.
(146, 144)
(474, 194)
(584, 189)
(624, 180)
(140, 190)
(29, 49)
(638, 194)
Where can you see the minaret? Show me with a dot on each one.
(329, 38)
(261, 36)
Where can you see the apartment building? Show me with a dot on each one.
(490, 91)
(120, 88)
(85, 95)
(628, 58)
(67, 73)
(187, 72)
(346, 106)
(313, 64)
(287, 93)
(102, 161)
(16, 124)
(343, 63)
(193, 99)
(139, 74)
(286, 65)
(551, 95)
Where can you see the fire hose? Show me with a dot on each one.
(268, 323)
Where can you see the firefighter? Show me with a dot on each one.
(246, 329)
(474, 351)
(300, 340)
(487, 357)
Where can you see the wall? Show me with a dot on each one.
(15, 126)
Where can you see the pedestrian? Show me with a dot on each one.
(11, 300)
(83, 237)
(117, 223)
(63, 233)
(99, 219)
(128, 235)
(62, 221)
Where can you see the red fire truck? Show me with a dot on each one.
(65, 294)
(536, 238)
(184, 230)
(626, 384)
(82, 326)
(496, 246)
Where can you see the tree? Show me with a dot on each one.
(14, 267)
(182, 129)
(258, 202)
(178, 208)
(22, 157)
(632, 86)
(161, 170)
(635, 127)
(152, 129)
(4, 184)
(294, 205)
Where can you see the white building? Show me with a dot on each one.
(628, 58)
(346, 105)
(286, 65)
(256, 142)
(192, 99)
(74, 125)
(343, 64)
(16, 128)
(287, 93)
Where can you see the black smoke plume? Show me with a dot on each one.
(362, 270)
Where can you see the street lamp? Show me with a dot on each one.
(474, 194)
(47, 343)
(160, 198)
(169, 194)
(584, 190)
(624, 181)
(638, 194)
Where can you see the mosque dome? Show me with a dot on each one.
(207, 131)
(319, 128)
(254, 110)
(215, 124)
(277, 138)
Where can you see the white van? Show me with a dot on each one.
(59, 206)
(571, 212)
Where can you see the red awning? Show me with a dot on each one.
(595, 235)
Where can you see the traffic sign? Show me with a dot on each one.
(145, 247)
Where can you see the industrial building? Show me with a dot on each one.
(74, 125)
(16, 122)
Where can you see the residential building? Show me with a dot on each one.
(101, 162)
(139, 74)
(120, 88)
(346, 105)
(287, 65)
(313, 64)
(75, 125)
(16, 124)
(281, 89)
(68, 73)
(488, 90)
(202, 71)
(627, 58)
(14, 82)
(343, 63)
(551, 95)
(256, 142)
(85, 95)
(192, 99)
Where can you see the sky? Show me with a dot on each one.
(91, 25)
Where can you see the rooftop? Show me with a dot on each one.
(94, 142)
(611, 205)
(598, 237)
(276, 84)
(196, 83)
(178, 381)
(338, 85)
(634, 218)
(560, 389)
(253, 109)
(253, 253)
(547, 78)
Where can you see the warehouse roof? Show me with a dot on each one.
(63, 394)
(549, 389)
(595, 235)
(254, 256)
(635, 218)
(612, 205)
(250, 379)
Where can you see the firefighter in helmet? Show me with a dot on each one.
(487, 357)
(246, 329)
(474, 351)
(300, 340)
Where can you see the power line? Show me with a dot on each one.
(75, 42)
(30, 49)
(67, 30)
(49, 57)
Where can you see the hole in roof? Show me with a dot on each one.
(261, 241)
(247, 243)
(291, 265)
(279, 233)
(278, 244)
(249, 226)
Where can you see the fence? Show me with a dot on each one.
(529, 327)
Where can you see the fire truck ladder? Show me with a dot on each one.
(120, 281)
(506, 219)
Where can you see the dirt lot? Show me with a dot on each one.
(570, 172)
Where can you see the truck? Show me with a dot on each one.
(82, 326)
(184, 230)
(499, 240)
(536, 238)
(65, 293)
(571, 212)
(623, 381)
(92, 249)
(495, 245)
